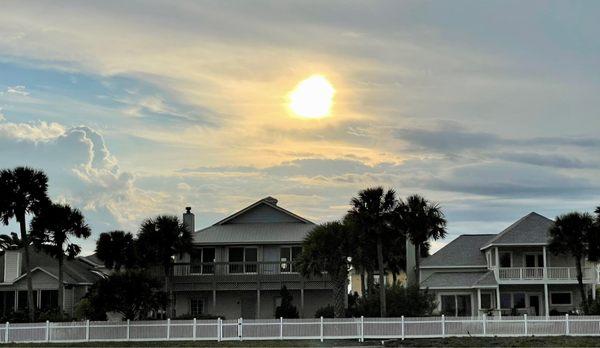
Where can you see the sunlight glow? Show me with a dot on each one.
(312, 98)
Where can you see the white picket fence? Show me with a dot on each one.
(305, 329)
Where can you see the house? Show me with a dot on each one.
(78, 276)
(241, 263)
(511, 272)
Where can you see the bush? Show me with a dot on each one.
(286, 309)
(410, 302)
(325, 312)
(200, 317)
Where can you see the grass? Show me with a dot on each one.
(558, 341)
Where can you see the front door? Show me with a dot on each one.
(534, 301)
(248, 309)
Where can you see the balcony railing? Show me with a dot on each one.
(233, 268)
(537, 273)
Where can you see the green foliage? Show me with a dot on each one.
(133, 294)
(325, 312)
(326, 249)
(286, 309)
(117, 249)
(161, 238)
(410, 302)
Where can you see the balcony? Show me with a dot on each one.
(539, 274)
(243, 275)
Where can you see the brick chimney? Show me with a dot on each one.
(189, 220)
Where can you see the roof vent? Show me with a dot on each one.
(270, 200)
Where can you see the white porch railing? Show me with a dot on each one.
(537, 273)
(305, 329)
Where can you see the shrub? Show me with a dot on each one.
(286, 309)
(410, 302)
(325, 312)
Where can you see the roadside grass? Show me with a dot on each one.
(557, 341)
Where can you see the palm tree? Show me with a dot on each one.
(10, 242)
(23, 191)
(421, 221)
(326, 249)
(371, 210)
(52, 231)
(575, 234)
(116, 249)
(159, 240)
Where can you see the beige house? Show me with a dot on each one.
(242, 262)
(507, 273)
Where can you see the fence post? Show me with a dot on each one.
(219, 329)
(87, 330)
(6, 332)
(194, 330)
(128, 329)
(525, 322)
(280, 328)
(443, 326)
(240, 328)
(47, 330)
(484, 321)
(168, 329)
(567, 329)
(402, 326)
(362, 328)
(321, 328)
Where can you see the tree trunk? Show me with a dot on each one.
(362, 283)
(382, 309)
(417, 265)
(394, 278)
(61, 287)
(339, 293)
(370, 282)
(580, 283)
(24, 237)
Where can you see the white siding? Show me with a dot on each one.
(12, 265)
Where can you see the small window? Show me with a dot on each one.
(505, 300)
(448, 305)
(22, 300)
(486, 301)
(456, 305)
(196, 306)
(49, 299)
(505, 259)
(560, 298)
(519, 300)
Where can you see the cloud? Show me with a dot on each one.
(33, 132)
(18, 90)
(547, 160)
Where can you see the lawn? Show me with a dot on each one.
(560, 341)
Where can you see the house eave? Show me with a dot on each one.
(512, 244)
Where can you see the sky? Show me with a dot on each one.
(134, 109)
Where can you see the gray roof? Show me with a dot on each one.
(463, 251)
(530, 229)
(266, 233)
(459, 280)
(74, 271)
(262, 222)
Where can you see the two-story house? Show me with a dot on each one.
(504, 273)
(241, 263)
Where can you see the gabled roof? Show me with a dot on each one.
(267, 201)
(464, 251)
(263, 222)
(531, 229)
(456, 280)
(74, 271)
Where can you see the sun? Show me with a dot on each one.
(312, 98)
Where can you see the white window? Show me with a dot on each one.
(196, 306)
(505, 259)
(287, 257)
(486, 300)
(456, 305)
(243, 260)
(561, 298)
(202, 261)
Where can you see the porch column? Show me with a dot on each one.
(478, 300)
(498, 299)
(546, 304)
(258, 303)
(214, 301)
(497, 269)
(545, 263)
(594, 291)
